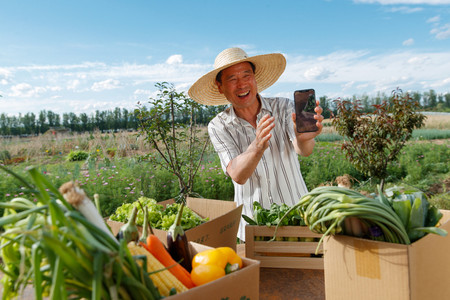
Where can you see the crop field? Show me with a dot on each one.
(118, 166)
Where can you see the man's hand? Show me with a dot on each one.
(304, 143)
(242, 166)
(263, 135)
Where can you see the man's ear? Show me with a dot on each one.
(219, 87)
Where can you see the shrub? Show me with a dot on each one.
(5, 156)
(373, 140)
(77, 155)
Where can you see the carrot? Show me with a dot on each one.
(156, 247)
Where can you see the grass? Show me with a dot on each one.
(117, 170)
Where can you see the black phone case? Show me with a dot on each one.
(305, 102)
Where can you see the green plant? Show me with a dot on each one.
(5, 156)
(111, 152)
(373, 140)
(212, 183)
(77, 155)
(326, 156)
(169, 127)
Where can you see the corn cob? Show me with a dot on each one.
(161, 277)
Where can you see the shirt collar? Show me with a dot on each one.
(265, 108)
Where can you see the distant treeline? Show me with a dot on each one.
(124, 119)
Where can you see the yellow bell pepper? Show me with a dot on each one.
(213, 264)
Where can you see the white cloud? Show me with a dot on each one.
(3, 82)
(348, 85)
(108, 84)
(408, 42)
(417, 60)
(5, 72)
(53, 88)
(351, 72)
(407, 2)
(440, 83)
(317, 73)
(84, 65)
(405, 9)
(73, 84)
(442, 32)
(142, 92)
(435, 19)
(25, 90)
(175, 59)
(363, 72)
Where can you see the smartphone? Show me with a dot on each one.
(305, 102)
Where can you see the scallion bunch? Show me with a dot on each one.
(53, 246)
(332, 210)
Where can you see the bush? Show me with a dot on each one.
(77, 155)
(373, 140)
(5, 156)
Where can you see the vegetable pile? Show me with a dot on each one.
(276, 215)
(401, 216)
(159, 218)
(57, 248)
(62, 246)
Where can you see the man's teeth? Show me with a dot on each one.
(244, 94)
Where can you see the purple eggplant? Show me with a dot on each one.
(177, 243)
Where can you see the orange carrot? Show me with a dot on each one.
(156, 247)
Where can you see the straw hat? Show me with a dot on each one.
(268, 68)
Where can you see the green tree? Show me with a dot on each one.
(178, 144)
(84, 120)
(29, 123)
(324, 103)
(373, 140)
(447, 100)
(42, 121)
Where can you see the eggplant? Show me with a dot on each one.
(177, 243)
(129, 231)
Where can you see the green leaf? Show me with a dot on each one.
(433, 216)
(402, 208)
(249, 220)
(435, 230)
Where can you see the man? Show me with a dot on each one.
(256, 138)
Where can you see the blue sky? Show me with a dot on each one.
(82, 56)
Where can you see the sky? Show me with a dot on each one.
(87, 55)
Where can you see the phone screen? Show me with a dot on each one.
(305, 102)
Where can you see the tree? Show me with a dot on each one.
(178, 144)
(84, 119)
(372, 140)
(447, 100)
(325, 106)
(29, 123)
(43, 126)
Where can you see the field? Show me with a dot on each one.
(118, 167)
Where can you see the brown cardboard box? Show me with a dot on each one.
(239, 285)
(220, 230)
(284, 254)
(364, 269)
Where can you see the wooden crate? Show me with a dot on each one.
(298, 254)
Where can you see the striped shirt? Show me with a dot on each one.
(277, 178)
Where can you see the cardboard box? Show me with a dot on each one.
(284, 254)
(239, 285)
(364, 269)
(220, 230)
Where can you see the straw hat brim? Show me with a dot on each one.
(268, 68)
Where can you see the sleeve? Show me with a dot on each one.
(223, 142)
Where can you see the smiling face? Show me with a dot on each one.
(238, 85)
